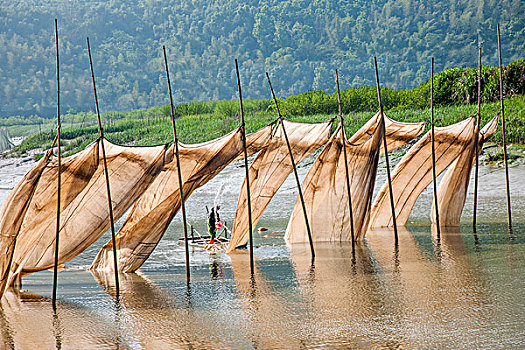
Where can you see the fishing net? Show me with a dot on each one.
(413, 174)
(12, 214)
(270, 169)
(153, 212)
(452, 190)
(397, 133)
(326, 195)
(84, 208)
(325, 191)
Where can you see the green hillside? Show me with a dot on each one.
(299, 42)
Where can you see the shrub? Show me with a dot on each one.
(514, 78)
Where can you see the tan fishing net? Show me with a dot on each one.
(397, 133)
(28, 216)
(156, 208)
(325, 191)
(12, 216)
(270, 169)
(326, 194)
(84, 207)
(452, 190)
(414, 172)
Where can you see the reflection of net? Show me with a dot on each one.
(270, 169)
(325, 192)
(84, 207)
(155, 209)
(414, 173)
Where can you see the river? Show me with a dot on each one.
(464, 291)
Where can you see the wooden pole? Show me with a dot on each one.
(243, 137)
(57, 234)
(502, 113)
(179, 173)
(110, 204)
(386, 153)
(343, 141)
(476, 145)
(432, 123)
(294, 169)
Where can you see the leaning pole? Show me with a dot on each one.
(343, 141)
(476, 145)
(57, 234)
(432, 124)
(110, 204)
(243, 137)
(179, 173)
(502, 113)
(386, 153)
(294, 169)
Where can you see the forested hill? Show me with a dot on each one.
(300, 42)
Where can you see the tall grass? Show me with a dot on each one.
(205, 127)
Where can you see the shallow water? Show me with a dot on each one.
(463, 291)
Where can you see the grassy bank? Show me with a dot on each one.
(203, 121)
(145, 130)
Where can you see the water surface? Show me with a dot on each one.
(464, 290)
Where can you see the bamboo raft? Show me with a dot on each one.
(203, 241)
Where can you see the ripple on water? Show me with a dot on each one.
(465, 291)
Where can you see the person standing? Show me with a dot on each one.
(211, 225)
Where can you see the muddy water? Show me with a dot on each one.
(464, 291)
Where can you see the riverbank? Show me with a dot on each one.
(147, 130)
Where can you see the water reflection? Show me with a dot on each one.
(269, 317)
(433, 296)
(28, 322)
(216, 268)
(152, 319)
(342, 293)
(422, 293)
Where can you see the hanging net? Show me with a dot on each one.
(155, 209)
(270, 169)
(84, 208)
(325, 191)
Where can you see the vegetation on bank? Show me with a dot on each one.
(453, 86)
(455, 93)
(203, 127)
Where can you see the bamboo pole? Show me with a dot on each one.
(434, 146)
(57, 234)
(106, 173)
(179, 173)
(476, 145)
(243, 137)
(502, 112)
(386, 153)
(294, 169)
(343, 141)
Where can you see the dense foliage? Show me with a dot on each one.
(452, 86)
(299, 42)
